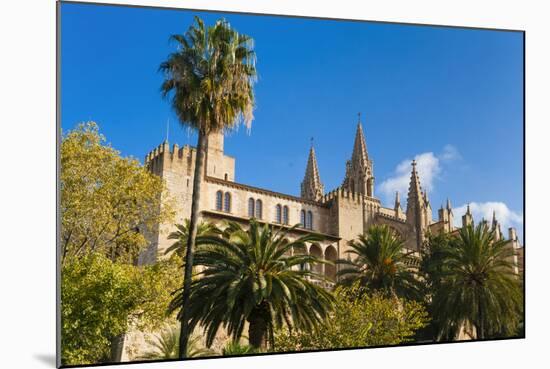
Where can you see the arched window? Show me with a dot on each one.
(259, 209)
(251, 207)
(219, 200)
(309, 220)
(303, 218)
(227, 202)
(278, 214)
(285, 214)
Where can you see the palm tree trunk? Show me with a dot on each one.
(480, 328)
(193, 222)
(258, 326)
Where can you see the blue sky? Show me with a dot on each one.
(452, 98)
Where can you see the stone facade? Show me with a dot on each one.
(341, 214)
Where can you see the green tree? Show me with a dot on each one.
(479, 285)
(181, 235)
(108, 203)
(254, 276)
(101, 299)
(210, 78)
(432, 269)
(359, 319)
(379, 262)
(165, 345)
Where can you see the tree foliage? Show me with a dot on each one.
(165, 345)
(252, 276)
(181, 235)
(108, 203)
(360, 318)
(211, 77)
(380, 263)
(101, 299)
(478, 285)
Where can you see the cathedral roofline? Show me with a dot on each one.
(264, 191)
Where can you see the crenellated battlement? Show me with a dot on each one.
(176, 153)
(343, 194)
(163, 158)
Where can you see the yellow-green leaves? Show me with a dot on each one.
(359, 319)
(100, 299)
(108, 203)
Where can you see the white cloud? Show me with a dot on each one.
(450, 153)
(429, 167)
(506, 216)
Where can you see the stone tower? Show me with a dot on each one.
(416, 210)
(359, 174)
(311, 187)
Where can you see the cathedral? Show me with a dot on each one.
(340, 215)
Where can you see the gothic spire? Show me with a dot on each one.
(415, 190)
(359, 173)
(415, 207)
(360, 157)
(312, 188)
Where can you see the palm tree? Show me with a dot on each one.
(181, 235)
(479, 285)
(166, 346)
(379, 262)
(235, 348)
(433, 255)
(210, 78)
(254, 276)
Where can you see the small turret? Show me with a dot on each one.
(495, 227)
(450, 215)
(512, 235)
(467, 219)
(445, 215)
(397, 206)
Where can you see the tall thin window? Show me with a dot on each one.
(251, 207)
(219, 200)
(303, 218)
(285, 214)
(227, 202)
(309, 220)
(278, 213)
(259, 209)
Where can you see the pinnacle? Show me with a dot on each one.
(360, 155)
(312, 188)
